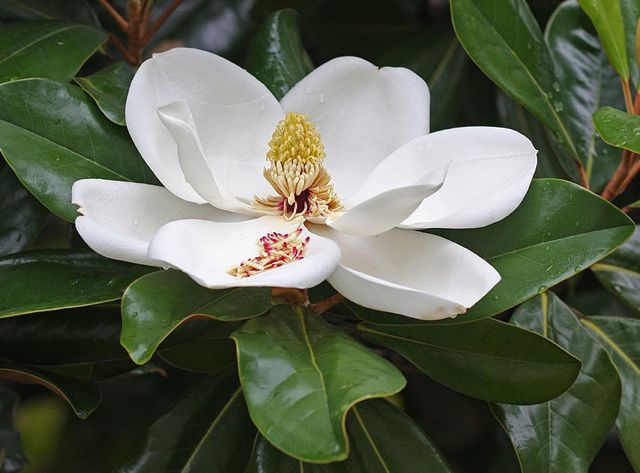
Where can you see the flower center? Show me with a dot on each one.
(296, 173)
(275, 250)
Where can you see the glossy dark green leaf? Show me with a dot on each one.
(41, 281)
(109, 87)
(442, 63)
(276, 55)
(211, 352)
(606, 16)
(564, 434)
(585, 82)
(558, 230)
(630, 12)
(487, 359)
(620, 272)
(300, 376)
(207, 431)
(82, 396)
(553, 159)
(504, 39)
(53, 134)
(618, 128)
(620, 337)
(84, 335)
(382, 439)
(12, 457)
(49, 49)
(22, 215)
(157, 303)
(77, 10)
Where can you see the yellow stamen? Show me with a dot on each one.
(296, 172)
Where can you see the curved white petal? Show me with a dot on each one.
(410, 273)
(489, 172)
(206, 250)
(118, 219)
(381, 212)
(178, 120)
(233, 112)
(362, 112)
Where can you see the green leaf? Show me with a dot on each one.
(22, 215)
(300, 376)
(564, 434)
(49, 49)
(630, 10)
(208, 430)
(618, 128)
(442, 63)
(276, 55)
(585, 82)
(504, 39)
(109, 87)
(40, 281)
(75, 336)
(558, 230)
(78, 10)
(82, 396)
(382, 438)
(607, 18)
(487, 359)
(211, 352)
(157, 303)
(620, 337)
(52, 135)
(12, 456)
(620, 272)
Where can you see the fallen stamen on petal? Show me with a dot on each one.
(296, 172)
(275, 250)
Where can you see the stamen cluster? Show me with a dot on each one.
(275, 250)
(296, 172)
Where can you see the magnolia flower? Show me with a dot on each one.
(331, 182)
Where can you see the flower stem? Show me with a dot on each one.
(326, 304)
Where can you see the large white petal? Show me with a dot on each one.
(410, 273)
(206, 250)
(362, 112)
(118, 219)
(234, 114)
(488, 173)
(178, 120)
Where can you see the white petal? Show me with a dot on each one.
(120, 218)
(362, 112)
(410, 273)
(381, 212)
(178, 120)
(489, 173)
(206, 250)
(234, 114)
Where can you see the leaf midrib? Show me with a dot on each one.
(36, 41)
(64, 148)
(365, 328)
(541, 93)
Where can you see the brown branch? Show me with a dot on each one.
(584, 180)
(633, 171)
(323, 306)
(120, 21)
(122, 49)
(610, 190)
(626, 90)
(161, 19)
